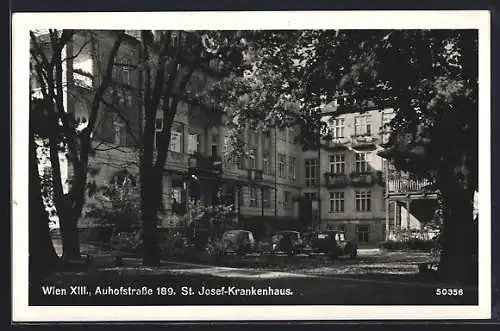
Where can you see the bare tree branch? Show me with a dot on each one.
(80, 50)
(118, 112)
(34, 40)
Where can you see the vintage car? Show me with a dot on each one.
(288, 241)
(334, 244)
(238, 242)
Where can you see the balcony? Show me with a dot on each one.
(255, 175)
(176, 160)
(336, 180)
(361, 179)
(336, 143)
(365, 141)
(207, 164)
(402, 184)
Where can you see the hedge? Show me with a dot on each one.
(411, 244)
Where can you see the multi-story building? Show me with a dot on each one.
(263, 185)
(278, 184)
(360, 192)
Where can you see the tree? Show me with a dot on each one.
(63, 132)
(430, 79)
(170, 60)
(42, 255)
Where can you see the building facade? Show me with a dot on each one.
(342, 185)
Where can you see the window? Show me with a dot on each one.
(363, 233)
(282, 165)
(126, 74)
(158, 124)
(383, 201)
(241, 162)
(120, 133)
(253, 197)
(266, 198)
(215, 144)
(176, 194)
(311, 195)
(266, 144)
(176, 141)
(251, 159)
(291, 167)
(311, 172)
(362, 125)
(363, 201)
(117, 74)
(266, 165)
(291, 135)
(337, 164)
(338, 128)
(288, 200)
(336, 202)
(253, 138)
(282, 134)
(361, 163)
(193, 143)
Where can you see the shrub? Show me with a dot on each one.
(411, 244)
(124, 242)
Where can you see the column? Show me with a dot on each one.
(397, 215)
(408, 215)
(386, 218)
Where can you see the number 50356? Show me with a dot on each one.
(449, 291)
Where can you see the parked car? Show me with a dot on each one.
(239, 242)
(289, 242)
(334, 244)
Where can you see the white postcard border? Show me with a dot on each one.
(22, 23)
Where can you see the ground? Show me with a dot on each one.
(374, 278)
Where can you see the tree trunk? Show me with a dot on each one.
(69, 233)
(459, 237)
(149, 210)
(42, 255)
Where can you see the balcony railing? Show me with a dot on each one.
(175, 156)
(361, 178)
(336, 180)
(365, 140)
(205, 163)
(401, 184)
(336, 143)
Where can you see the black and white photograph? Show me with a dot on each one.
(251, 166)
